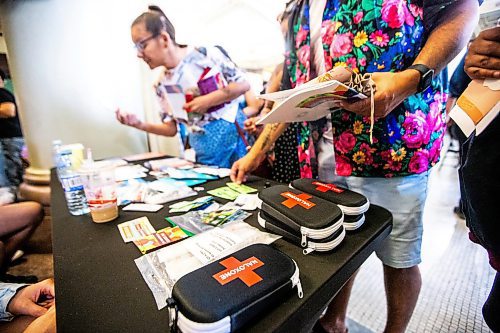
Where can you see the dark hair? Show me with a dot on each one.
(289, 8)
(3, 75)
(156, 21)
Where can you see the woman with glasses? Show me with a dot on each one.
(209, 86)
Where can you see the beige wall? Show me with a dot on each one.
(3, 47)
(72, 64)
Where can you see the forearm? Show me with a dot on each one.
(7, 110)
(275, 81)
(450, 36)
(165, 129)
(265, 141)
(228, 93)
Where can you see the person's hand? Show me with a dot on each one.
(33, 300)
(391, 90)
(483, 58)
(250, 126)
(242, 167)
(199, 104)
(44, 324)
(128, 119)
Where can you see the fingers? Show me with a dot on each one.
(491, 34)
(241, 177)
(131, 119)
(485, 47)
(249, 125)
(238, 173)
(187, 106)
(481, 73)
(234, 171)
(34, 310)
(482, 61)
(47, 288)
(361, 107)
(119, 116)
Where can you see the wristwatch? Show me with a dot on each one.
(426, 75)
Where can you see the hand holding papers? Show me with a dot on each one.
(315, 99)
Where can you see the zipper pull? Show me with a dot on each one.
(173, 314)
(299, 289)
(303, 240)
(296, 280)
(307, 250)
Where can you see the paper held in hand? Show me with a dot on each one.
(478, 105)
(312, 100)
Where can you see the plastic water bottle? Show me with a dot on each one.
(71, 182)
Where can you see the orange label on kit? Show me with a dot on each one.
(322, 187)
(243, 270)
(297, 199)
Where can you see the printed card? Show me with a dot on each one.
(241, 188)
(160, 239)
(135, 229)
(224, 193)
(185, 206)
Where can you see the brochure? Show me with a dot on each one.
(312, 100)
(210, 81)
(160, 239)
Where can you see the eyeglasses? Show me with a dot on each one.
(141, 45)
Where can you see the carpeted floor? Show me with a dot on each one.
(39, 264)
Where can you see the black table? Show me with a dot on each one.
(99, 288)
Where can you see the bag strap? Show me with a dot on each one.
(242, 135)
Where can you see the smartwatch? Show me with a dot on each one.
(426, 76)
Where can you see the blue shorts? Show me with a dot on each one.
(404, 197)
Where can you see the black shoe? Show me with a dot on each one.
(18, 279)
(459, 213)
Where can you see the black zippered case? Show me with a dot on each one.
(322, 245)
(351, 203)
(306, 215)
(353, 222)
(226, 294)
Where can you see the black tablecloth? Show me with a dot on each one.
(99, 288)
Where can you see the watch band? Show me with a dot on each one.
(426, 76)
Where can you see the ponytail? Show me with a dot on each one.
(156, 21)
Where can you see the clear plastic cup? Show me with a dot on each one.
(98, 180)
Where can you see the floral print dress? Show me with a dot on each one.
(217, 141)
(374, 36)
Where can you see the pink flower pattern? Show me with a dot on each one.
(379, 38)
(341, 45)
(415, 129)
(419, 162)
